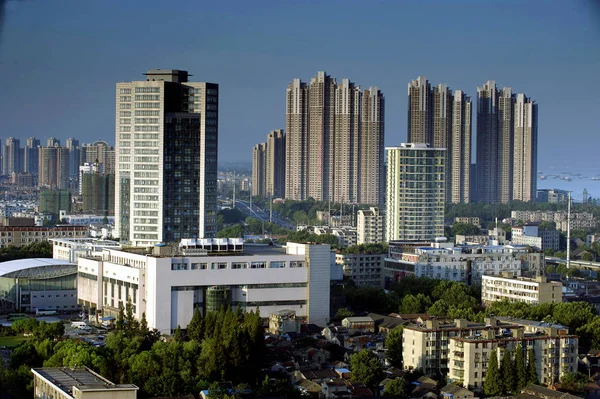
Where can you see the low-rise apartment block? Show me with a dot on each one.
(532, 291)
(461, 349)
(555, 351)
(370, 226)
(363, 268)
(18, 236)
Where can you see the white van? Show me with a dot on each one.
(80, 324)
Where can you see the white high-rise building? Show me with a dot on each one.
(166, 158)
(415, 192)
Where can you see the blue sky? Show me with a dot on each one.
(60, 60)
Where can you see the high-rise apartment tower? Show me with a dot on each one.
(334, 141)
(415, 192)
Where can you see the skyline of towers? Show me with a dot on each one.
(166, 173)
(442, 119)
(415, 192)
(268, 166)
(334, 141)
(506, 145)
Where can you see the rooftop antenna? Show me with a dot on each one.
(569, 231)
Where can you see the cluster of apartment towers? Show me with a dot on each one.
(333, 145)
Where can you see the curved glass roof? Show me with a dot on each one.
(36, 268)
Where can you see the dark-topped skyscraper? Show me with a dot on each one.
(166, 158)
(334, 141)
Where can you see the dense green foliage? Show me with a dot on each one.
(393, 344)
(464, 229)
(366, 368)
(35, 250)
(305, 236)
(492, 385)
(396, 388)
(507, 372)
(367, 249)
(532, 376)
(520, 369)
(224, 345)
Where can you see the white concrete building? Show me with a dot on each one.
(469, 263)
(532, 291)
(207, 274)
(70, 249)
(86, 220)
(369, 226)
(364, 269)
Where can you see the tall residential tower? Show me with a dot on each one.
(442, 119)
(334, 141)
(166, 167)
(506, 145)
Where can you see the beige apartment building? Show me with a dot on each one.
(520, 289)
(80, 383)
(555, 352)
(369, 226)
(456, 348)
(334, 141)
(525, 149)
(268, 166)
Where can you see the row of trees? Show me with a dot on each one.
(512, 375)
(225, 345)
(41, 249)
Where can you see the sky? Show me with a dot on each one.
(60, 60)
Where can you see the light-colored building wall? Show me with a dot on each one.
(531, 291)
(415, 192)
(370, 226)
(555, 354)
(363, 269)
(168, 288)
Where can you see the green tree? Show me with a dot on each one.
(464, 229)
(195, 326)
(573, 314)
(574, 382)
(366, 368)
(395, 388)
(520, 369)
(342, 313)
(414, 304)
(393, 344)
(507, 372)
(120, 323)
(532, 376)
(492, 385)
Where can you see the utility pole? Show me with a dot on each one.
(270, 209)
(569, 231)
(233, 204)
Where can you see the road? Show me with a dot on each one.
(262, 214)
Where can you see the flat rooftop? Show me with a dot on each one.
(66, 378)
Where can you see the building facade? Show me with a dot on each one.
(31, 154)
(363, 268)
(18, 236)
(324, 118)
(370, 225)
(555, 352)
(275, 168)
(415, 192)
(506, 145)
(520, 289)
(53, 168)
(166, 169)
(12, 161)
(259, 170)
(442, 119)
(77, 383)
(208, 273)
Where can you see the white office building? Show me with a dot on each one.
(166, 169)
(208, 274)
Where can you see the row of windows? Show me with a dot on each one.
(147, 89)
(144, 128)
(145, 213)
(147, 97)
(147, 105)
(152, 175)
(147, 120)
(177, 265)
